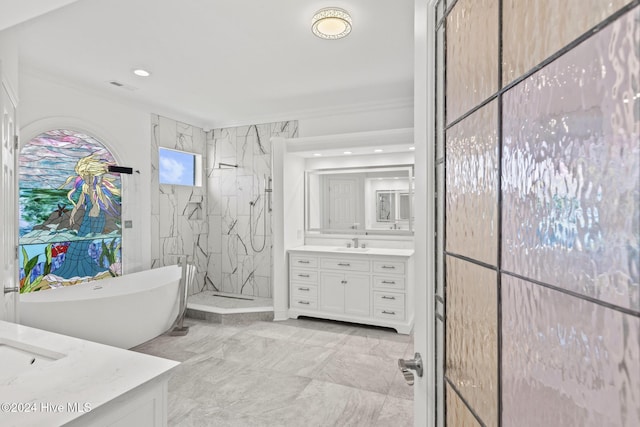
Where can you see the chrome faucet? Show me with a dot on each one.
(355, 242)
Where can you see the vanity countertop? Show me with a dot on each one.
(351, 251)
(88, 373)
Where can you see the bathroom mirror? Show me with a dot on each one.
(375, 200)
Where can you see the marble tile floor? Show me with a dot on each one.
(299, 372)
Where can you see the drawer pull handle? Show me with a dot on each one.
(386, 297)
(344, 264)
(303, 261)
(388, 312)
(344, 282)
(389, 266)
(389, 282)
(303, 302)
(303, 275)
(303, 289)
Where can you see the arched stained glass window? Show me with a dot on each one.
(70, 224)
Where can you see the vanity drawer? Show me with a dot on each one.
(389, 313)
(388, 300)
(342, 264)
(391, 282)
(304, 303)
(388, 267)
(308, 276)
(303, 261)
(304, 292)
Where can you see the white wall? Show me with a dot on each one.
(288, 219)
(370, 160)
(46, 104)
(15, 12)
(391, 117)
(9, 62)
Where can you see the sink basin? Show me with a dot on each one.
(18, 357)
(352, 249)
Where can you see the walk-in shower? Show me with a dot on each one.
(226, 218)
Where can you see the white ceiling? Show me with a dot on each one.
(224, 62)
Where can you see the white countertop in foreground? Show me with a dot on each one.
(89, 373)
(345, 251)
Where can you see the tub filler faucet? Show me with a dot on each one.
(186, 279)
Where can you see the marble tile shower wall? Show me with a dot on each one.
(178, 222)
(238, 217)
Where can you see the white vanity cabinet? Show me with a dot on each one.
(373, 287)
(345, 293)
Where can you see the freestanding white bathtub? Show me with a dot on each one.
(121, 311)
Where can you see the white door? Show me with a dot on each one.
(357, 295)
(8, 203)
(424, 389)
(344, 202)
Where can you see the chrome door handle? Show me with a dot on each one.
(10, 290)
(406, 366)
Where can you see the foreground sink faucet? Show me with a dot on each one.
(355, 242)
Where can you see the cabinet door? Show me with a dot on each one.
(357, 295)
(332, 292)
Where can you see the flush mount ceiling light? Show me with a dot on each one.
(141, 72)
(331, 23)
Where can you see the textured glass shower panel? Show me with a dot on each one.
(571, 169)
(547, 20)
(567, 361)
(458, 415)
(472, 55)
(472, 186)
(471, 336)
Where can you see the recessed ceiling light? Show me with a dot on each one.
(348, 152)
(141, 72)
(317, 154)
(331, 23)
(378, 150)
(412, 148)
